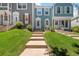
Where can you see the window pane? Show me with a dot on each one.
(46, 22)
(68, 9)
(19, 5)
(58, 9)
(39, 11)
(24, 5)
(37, 23)
(0, 4)
(46, 11)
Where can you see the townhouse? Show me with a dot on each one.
(59, 16)
(10, 13)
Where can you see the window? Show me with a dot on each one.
(58, 10)
(22, 6)
(39, 11)
(37, 23)
(47, 22)
(67, 9)
(6, 17)
(4, 4)
(46, 11)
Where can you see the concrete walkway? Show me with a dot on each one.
(71, 34)
(36, 46)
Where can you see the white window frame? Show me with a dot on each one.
(21, 8)
(40, 11)
(26, 21)
(65, 10)
(45, 9)
(60, 10)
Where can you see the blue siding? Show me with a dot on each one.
(63, 5)
(43, 17)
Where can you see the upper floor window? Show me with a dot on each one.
(22, 6)
(67, 9)
(39, 11)
(46, 11)
(3, 4)
(58, 10)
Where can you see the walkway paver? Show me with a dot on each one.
(35, 52)
(36, 46)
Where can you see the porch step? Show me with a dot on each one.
(37, 38)
(37, 32)
(35, 52)
(37, 35)
(36, 44)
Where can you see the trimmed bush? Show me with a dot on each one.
(29, 27)
(19, 25)
(75, 29)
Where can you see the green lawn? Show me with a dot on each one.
(13, 42)
(58, 40)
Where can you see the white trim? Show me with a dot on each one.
(46, 9)
(42, 7)
(63, 18)
(38, 19)
(39, 9)
(21, 8)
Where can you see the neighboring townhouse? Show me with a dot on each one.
(63, 14)
(75, 20)
(42, 17)
(22, 12)
(10, 13)
(5, 14)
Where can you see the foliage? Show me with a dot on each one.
(29, 27)
(19, 25)
(75, 29)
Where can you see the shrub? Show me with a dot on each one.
(59, 51)
(19, 25)
(29, 27)
(75, 29)
(52, 29)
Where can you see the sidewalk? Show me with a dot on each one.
(71, 34)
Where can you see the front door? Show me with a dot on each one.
(38, 23)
